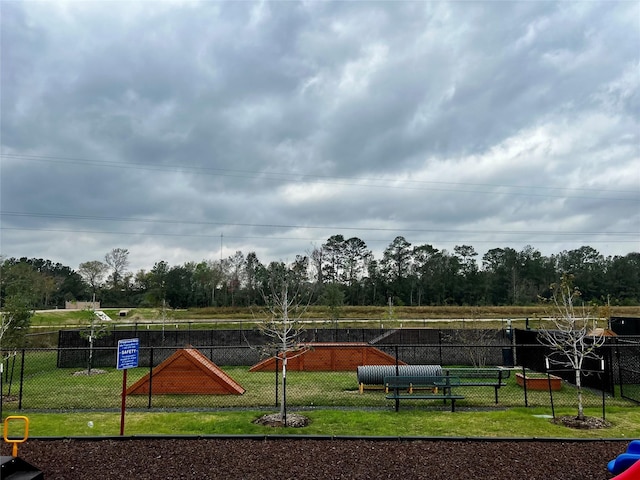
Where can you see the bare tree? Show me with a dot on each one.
(97, 328)
(574, 337)
(236, 279)
(219, 276)
(317, 259)
(285, 307)
(476, 342)
(164, 315)
(5, 324)
(118, 260)
(93, 272)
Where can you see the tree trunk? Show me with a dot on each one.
(90, 353)
(285, 345)
(579, 388)
(283, 392)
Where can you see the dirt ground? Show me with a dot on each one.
(300, 459)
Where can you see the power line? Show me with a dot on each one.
(263, 238)
(405, 184)
(293, 226)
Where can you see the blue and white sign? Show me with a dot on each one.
(128, 353)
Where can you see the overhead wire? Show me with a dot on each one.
(333, 180)
(362, 182)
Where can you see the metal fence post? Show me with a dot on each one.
(150, 375)
(276, 380)
(13, 367)
(524, 385)
(284, 388)
(553, 410)
(603, 395)
(21, 382)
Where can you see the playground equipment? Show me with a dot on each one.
(13, 467)
(631, 473)
(187, 372)
(374, 374)
(627, 461)
(328, 357)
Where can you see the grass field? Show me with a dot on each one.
(515, 423)
(228, 317)
(47, 387)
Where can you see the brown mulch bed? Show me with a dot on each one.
(275, 420)
(586, 423)
(299, 459)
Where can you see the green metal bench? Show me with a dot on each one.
(412, 387)
(481, 377)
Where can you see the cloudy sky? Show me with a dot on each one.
(184, 131)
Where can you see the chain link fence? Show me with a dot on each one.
(627, 355)
(60, 379)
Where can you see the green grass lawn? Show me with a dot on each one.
(418, 422)
(49, 388)
(62, 316)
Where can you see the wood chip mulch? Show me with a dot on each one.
(300, 459)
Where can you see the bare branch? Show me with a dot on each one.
(574, 337)
(284, 310)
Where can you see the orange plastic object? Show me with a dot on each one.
(15, 441)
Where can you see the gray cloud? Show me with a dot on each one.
(165, 125)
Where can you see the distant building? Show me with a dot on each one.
(81, 305)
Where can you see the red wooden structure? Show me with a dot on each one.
(187, 371)
(329, 357)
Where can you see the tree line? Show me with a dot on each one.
(342, 271)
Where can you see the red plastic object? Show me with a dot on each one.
(631, 473)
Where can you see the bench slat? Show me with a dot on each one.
(406, 381)
(471, 377)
